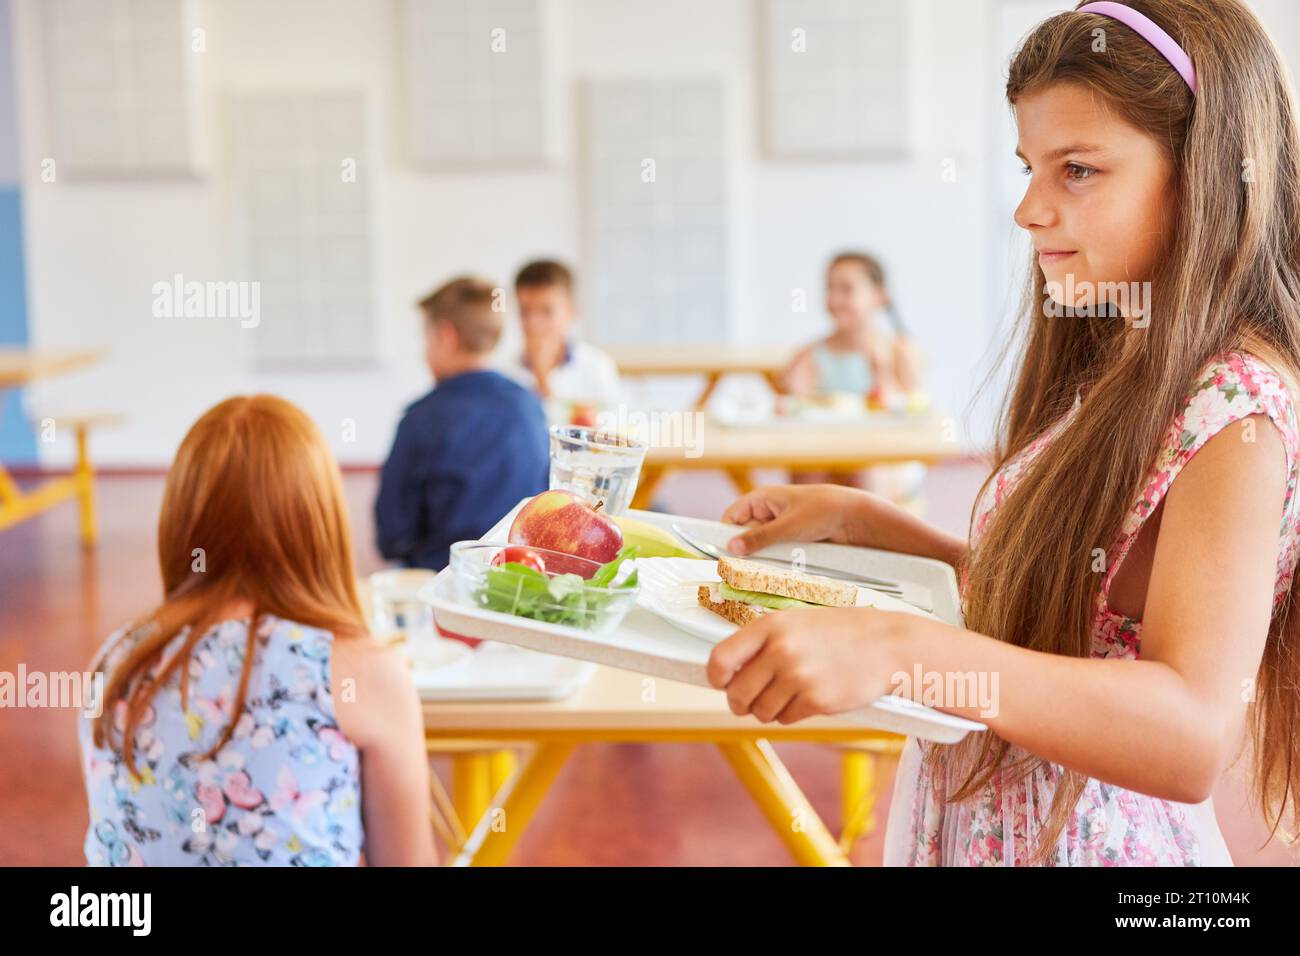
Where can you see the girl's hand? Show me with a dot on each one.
(792, 513)
(793, 664)
(839, 514)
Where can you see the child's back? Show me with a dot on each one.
(464, 455)
(245, 714)
(286, 788)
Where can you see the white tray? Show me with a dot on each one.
(647, 644)
(501, 672)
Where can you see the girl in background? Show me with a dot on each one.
(250, 719)
(859, 361)
(1129, 573)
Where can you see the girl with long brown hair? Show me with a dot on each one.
(250, 718)
(1128, 577)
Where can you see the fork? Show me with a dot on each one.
(882, 585)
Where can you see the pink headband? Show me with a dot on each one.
(1150, 31)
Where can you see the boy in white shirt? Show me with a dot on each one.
(574, 380)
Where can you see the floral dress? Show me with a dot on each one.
(1110, 826)
(284, 790)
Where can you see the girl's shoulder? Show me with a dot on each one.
(1255, 373)
(274, 635)
(1238, 383)
(1231, 387)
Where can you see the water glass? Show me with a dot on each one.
(397, 613)
(596, 465)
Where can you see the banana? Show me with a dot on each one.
(651, 541)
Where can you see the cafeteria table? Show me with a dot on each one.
(711, 361)
(737, 450)
(495, 799)
(20, 367)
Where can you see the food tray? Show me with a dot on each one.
(647, 644)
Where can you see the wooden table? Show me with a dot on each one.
(19, 367)
(737, 450)
(711, 361)
(621, 706)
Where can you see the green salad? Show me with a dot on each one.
(566, 599)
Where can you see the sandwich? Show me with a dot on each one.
(749, 590)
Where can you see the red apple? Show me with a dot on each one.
(561, 521)
(584, 415)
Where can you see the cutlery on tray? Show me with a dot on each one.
(901, 590)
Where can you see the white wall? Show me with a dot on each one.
(95, 250)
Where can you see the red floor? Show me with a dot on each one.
(613, 805)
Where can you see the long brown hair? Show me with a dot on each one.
(1226, 279)
(253, 510)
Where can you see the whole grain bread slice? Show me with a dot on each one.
(737, 612)
(752, 576)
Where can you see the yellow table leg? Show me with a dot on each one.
(651, 476)
(858, 795)
(41, 498)
(9, 490)
(710, 383)
(787, 810)
(85, 481)
(501, 767)
(503, 824)
(740, 478)
(471, 786)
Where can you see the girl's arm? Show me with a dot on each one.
(907, 363)
(378, 709)
(876, 522)
(778, 513)
(1165, 725)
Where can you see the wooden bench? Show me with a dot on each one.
(17, 505)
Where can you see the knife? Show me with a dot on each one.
(883, 585)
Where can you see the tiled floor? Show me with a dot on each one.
(613, 804)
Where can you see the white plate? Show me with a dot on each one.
(432, 655)
(670, 589)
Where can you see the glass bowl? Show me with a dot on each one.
(562, 594)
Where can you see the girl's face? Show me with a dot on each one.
(1100, 197)
(851, 296)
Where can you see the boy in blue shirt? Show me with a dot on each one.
(467, 452)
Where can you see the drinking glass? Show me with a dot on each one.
(596, 465)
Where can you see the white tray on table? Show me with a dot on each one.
(646, 643)
(501, 672)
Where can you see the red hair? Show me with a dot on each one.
(253, 510)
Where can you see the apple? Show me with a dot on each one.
(584, 415)
(559, 520)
